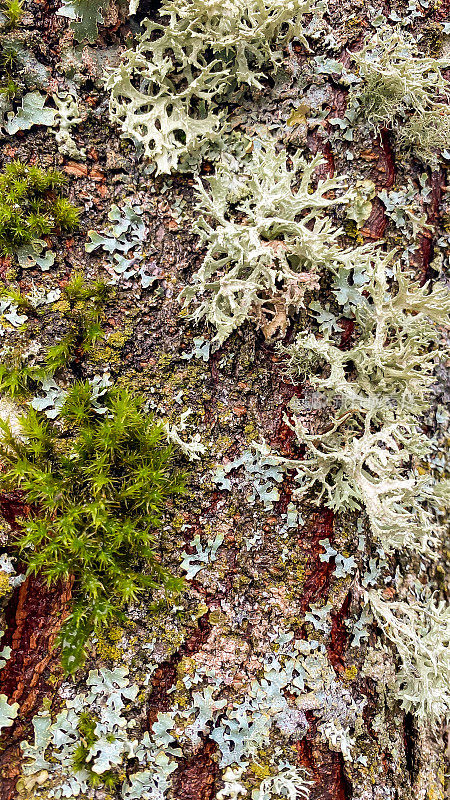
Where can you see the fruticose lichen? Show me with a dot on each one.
(398, 84)
(363, 457)
(166, 93)
(420, 632)
(267, 239)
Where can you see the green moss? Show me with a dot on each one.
(31, 206)
(10, 88)
(100, 483)
(13, 11)
(16, 377)
(86, 726)
(82, 303)
(9, 56)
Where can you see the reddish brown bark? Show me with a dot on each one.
(325, 767)
(165, 676)
(196, 777)
(33, 617)
(433, 208)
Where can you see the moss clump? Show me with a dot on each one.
(13, 11)
(16, 376)
(9, 89)
(81, 303)
(100, 482)
(31, 206)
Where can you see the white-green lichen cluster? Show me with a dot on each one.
(420, 632)
(122, 240)
(53, 760)
(367, 456)
(168, 92)
(267, 238)
(401, 85)
(241, 727)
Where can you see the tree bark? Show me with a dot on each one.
(232, 609)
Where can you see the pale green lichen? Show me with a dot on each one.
(123, 240)
(8, 712)
(194, 562)
(402, 89)
(300, 668)
(267, 237)
(290, 782)
(67, 116)
(192, 447)
(380, 386)
(426, 133)
(75, 750)
(420, 631)
(31, 112)
(360, 205)
(54, 758)
(85, 16)
(165, 92)
(258, 471)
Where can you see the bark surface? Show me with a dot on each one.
(262, 581)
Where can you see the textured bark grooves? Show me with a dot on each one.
(12, 507)
(196, 777)
(388, 163)
(166, 675)
(326, 768)
(338, 636)
(33, 618)
(319, 572)
(10, 761)
(433, 208)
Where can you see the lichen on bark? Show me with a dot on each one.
(274, 672)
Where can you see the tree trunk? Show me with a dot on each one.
(228, 623)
